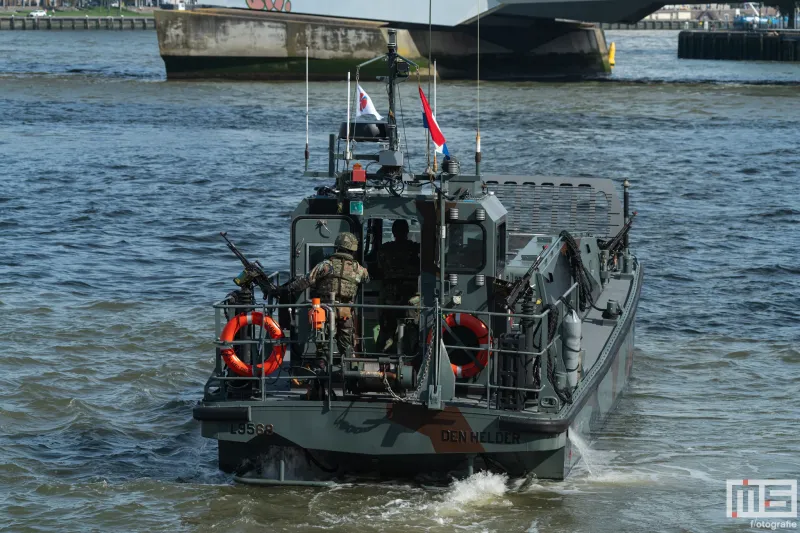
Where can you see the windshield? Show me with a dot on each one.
(465, 247)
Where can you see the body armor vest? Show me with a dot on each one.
(344, 279)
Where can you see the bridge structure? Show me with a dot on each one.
(454, 12)
(267, 39)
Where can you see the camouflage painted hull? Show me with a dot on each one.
(401, 440)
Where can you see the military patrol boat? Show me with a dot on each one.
(522, 330)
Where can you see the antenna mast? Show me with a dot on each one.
(347, 146)
(394, 140)
(307, 153)
(430, 45)
(478, 119)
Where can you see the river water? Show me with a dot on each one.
(114, 184)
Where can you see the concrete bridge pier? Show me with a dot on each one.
(540, 49)
(242, 44)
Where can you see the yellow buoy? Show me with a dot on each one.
(612, 51)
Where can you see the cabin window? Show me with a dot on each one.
(465, 249)
(317, 253)
(413, 230)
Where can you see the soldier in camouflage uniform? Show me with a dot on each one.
(398, 262)
(340, 274)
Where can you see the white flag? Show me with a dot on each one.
(365, 105)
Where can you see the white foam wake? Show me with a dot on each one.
(479, 490)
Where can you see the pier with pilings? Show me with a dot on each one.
(759, 45)
(77, 23)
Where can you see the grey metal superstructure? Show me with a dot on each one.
(521, 331)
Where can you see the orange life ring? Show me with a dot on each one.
(480, 330)
(239, 367)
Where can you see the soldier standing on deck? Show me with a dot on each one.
(398, 262)
(341, 275)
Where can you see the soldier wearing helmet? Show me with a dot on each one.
(340, 275)
(398, 262)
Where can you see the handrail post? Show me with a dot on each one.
(544, 340)
(331, 310)
(217, 329)
(626, 257)
(434, 400)
(261, 357)
(490, 367)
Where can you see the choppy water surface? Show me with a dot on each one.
(115, 184)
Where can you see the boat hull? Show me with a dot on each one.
(401, 440)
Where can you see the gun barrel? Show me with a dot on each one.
(523, 284)
(232, 247)
(620, 237)
(254, 268)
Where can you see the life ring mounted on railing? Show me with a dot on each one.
(239, 367)
(479, 329)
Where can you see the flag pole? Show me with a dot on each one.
(306, 153)
(435, 76)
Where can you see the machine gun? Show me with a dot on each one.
(511, 292)
(252, 273)
(616, 243)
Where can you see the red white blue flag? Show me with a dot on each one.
(429, 121)
(365, 105)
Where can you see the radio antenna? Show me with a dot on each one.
(307, 153)
(478, 85)
(347, 145)
(430, 44)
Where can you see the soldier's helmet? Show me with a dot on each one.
(347, 241)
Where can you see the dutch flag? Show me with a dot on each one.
(429, 121)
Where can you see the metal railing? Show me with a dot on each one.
(493, 348)
(431, 343)
(264, 343)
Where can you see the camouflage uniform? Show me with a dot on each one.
(340, 274)
(399, 265)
